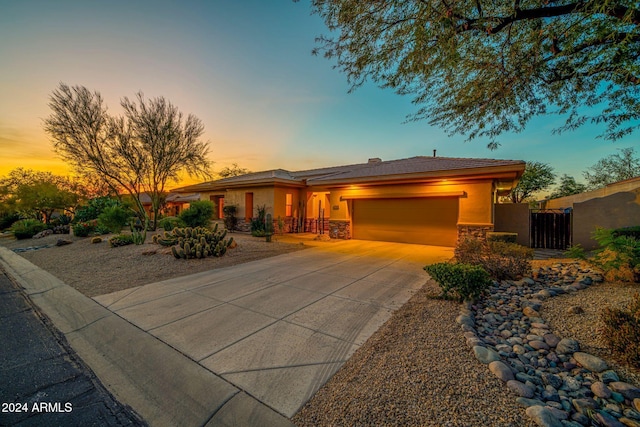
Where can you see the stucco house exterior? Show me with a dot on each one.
(424, 200)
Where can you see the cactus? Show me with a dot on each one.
(197, 242)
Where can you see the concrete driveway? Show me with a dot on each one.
(279, 328)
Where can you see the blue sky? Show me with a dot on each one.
(245, 69)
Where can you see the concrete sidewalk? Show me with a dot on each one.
(239, 344)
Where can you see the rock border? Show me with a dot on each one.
(557, 383)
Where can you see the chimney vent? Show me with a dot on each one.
(434, 153)
(375, 160)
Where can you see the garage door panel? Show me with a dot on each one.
(425, 221)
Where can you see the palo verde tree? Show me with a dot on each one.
(139, 152)
(484, 67)
(537, 176)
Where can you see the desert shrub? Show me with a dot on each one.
(61, 220)
(500, 259)
(61, 229)
(27, 228)
(230, 219)
(502, 237)
(618, 256)
(94, 208)
(466, 281)
(121, 240)
(83, 229)
(198, 214)
(113, 218)
(168, 223)
(627, 231)
(7, 220)
(621, 331)
(576, 252)
(258, 223)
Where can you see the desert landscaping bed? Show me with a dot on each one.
(97, 269)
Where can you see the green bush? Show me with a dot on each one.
(618, 256)
(121, 240)
(94, 208)
(502, 237)
(628, 231)
(500, 259)
(576, 252)
(27, 228)
(468, 282)
(168, 223)
(113, 218)
(83, 229)
(198, 214)
(621, 331)
(230, 219)
(7, 220)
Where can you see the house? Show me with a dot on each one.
(172, 204)
(424, 200)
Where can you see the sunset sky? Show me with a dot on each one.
(245, 69)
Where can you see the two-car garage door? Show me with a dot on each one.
(427, 221)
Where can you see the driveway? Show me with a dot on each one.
(279, 328)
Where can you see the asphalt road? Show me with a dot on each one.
(42, 381)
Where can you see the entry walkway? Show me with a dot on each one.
(257, 339)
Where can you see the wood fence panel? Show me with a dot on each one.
(550, 230)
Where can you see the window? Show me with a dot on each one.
(289, 204)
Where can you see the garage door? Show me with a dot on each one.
(427, 221)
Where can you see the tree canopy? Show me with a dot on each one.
(537, 176)
(484, 67)
(613, 168)
(139, 152)
(38, 194)
(567, 187)
(233, 170)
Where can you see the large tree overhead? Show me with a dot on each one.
(139, 152)
(484, 67)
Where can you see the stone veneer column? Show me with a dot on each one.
(340, 229)
(474, 231)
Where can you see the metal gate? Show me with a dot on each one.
(550, 229)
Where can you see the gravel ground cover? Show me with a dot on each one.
(97, 269)
(417, 371)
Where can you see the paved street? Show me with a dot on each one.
(43, 382)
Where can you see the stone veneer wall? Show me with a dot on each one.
(340, 229)
(477, 232)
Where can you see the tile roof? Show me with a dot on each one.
(413, 165)
(424, 165)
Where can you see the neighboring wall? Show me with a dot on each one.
(569, 201)
(616, 210)
(513, 218)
